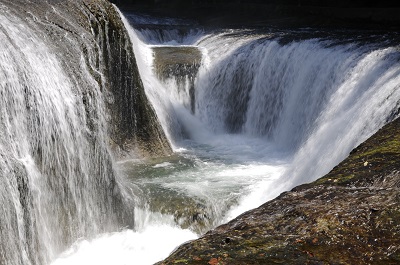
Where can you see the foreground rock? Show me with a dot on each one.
(350, 216)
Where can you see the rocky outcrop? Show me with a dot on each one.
(134, 125)
(180, 64)
(105, 47)
(350, 216)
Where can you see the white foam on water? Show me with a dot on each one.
(128, 247)
(268, 117)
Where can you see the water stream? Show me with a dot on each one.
(57, 181)
(272, 109)
(250, 113)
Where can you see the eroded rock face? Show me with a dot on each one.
(350, 216)
(134, 124)
(180, 64)
(105, 48)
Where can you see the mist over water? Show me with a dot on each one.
(271, 109)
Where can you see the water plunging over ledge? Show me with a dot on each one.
(263, 111)
(249, 113)
(267, 111)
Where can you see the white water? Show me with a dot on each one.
(57, 183)
(128, 247)
(268, 117)
(314, 100)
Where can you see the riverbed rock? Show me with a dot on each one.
(180, 64)
(349, 216)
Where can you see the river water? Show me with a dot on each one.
(272, 109)
(261, 111)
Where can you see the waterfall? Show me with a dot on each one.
(57, 181)
(309, 96)
(316, 98)
(250, 114)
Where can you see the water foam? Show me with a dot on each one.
(152, 244)
(269, 115)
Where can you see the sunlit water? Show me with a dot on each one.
(270, 114)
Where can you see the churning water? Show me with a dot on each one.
(271, 110)
(260, 112)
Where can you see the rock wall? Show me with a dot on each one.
(107, 51)
(134, 124)
(350, 216)
(71, 88)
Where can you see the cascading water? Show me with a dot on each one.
(315, 98)
(271, 110)
(256, 114)
(57, 181)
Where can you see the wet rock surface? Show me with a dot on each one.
(157, 196)
(135, 128)
(166, 59)
(89, 36)
(350, 216)
(182, 65)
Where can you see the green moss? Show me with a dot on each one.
(180, 261)
(338, 179)
(388, 147)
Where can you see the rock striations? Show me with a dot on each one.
(134, 125)
(89, 34)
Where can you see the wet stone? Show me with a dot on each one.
(180, 63)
